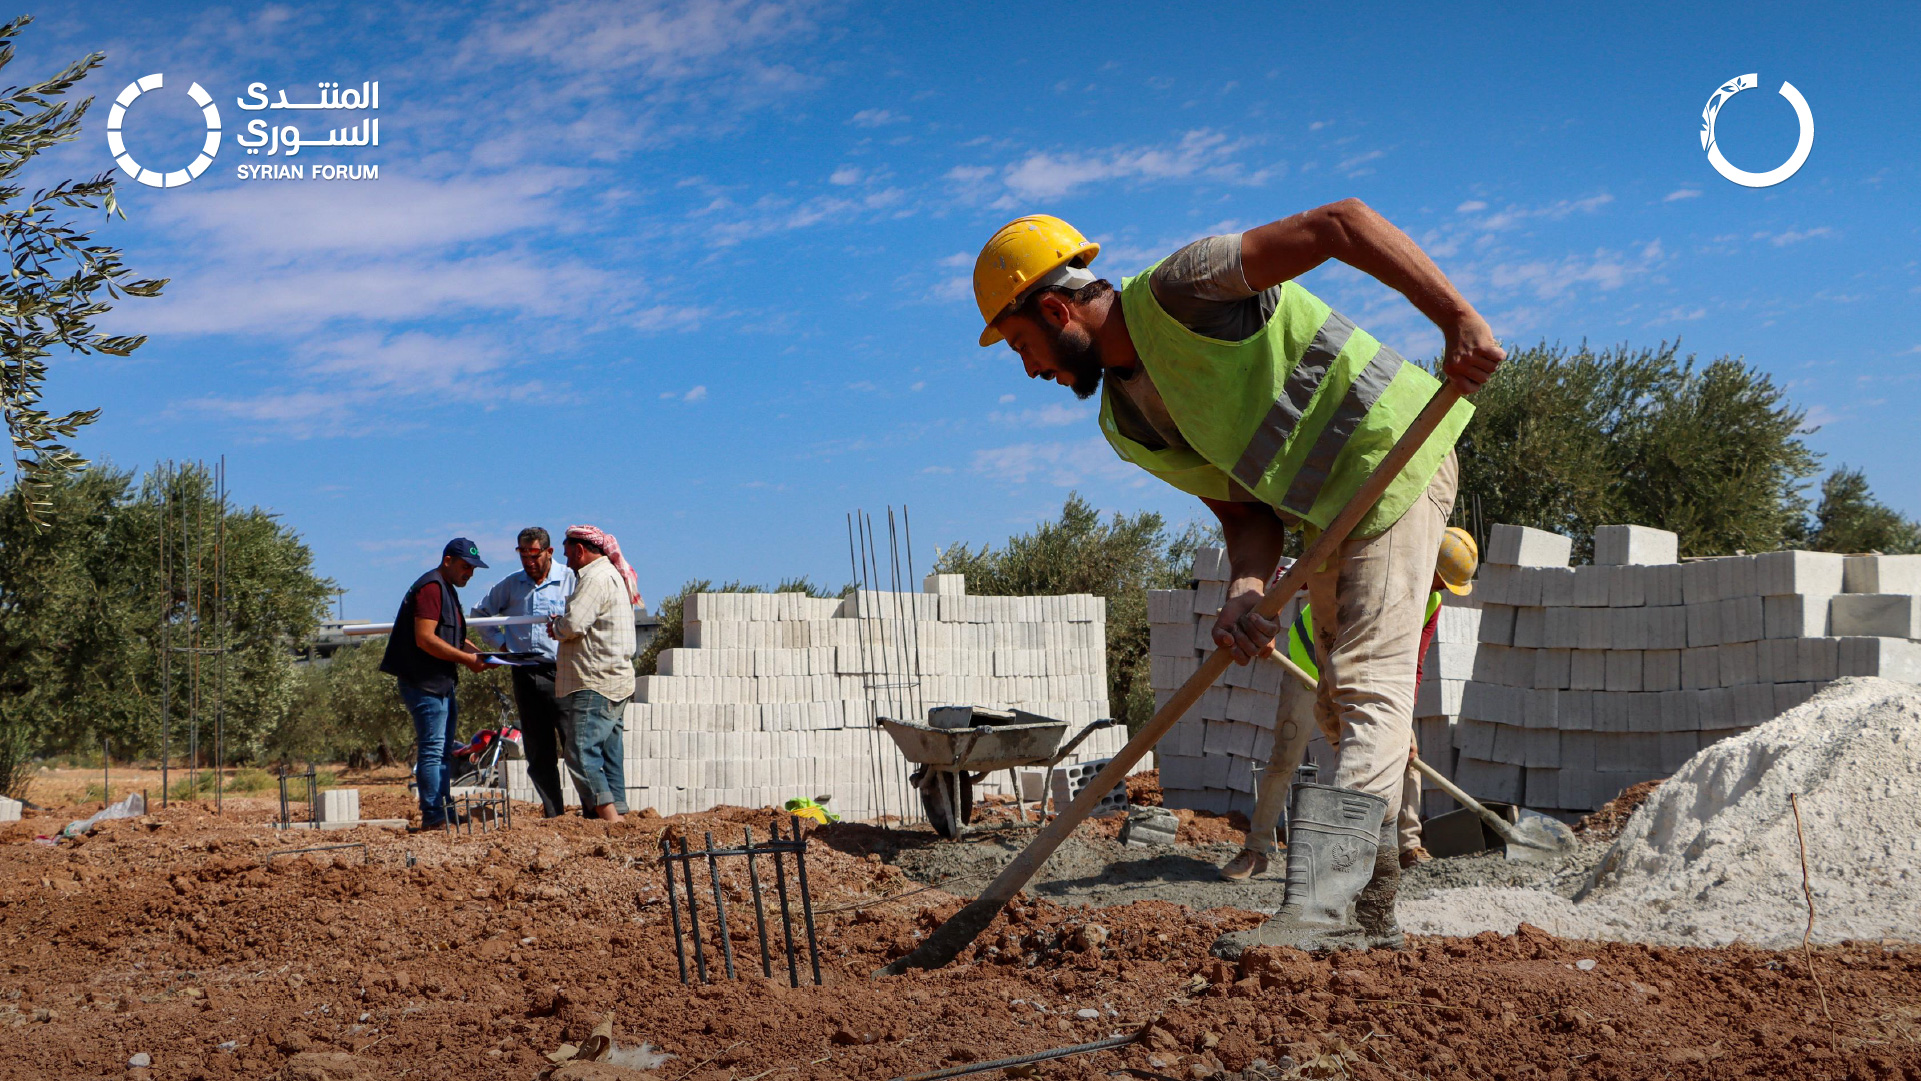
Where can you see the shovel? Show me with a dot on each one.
(1534, 837)
(950, 938)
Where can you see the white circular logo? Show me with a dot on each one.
(154, 178)
(1772, 176)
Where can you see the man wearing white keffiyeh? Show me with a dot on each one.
(594, 675)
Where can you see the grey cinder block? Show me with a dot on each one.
(1557, 586)
(1591, 584)
(1634, 544)
(1795, 615)
(1577, 750)
(1627, 586)
(1677, 748)
(1485, 780)
(1704, 624)
(1817, 659)
(1667, 628)
(1552, 668)
(1664, 586)
(1623, 670)
(1530, 626)
(1741, 620)
(1789, 695)
(1521, 546)
(1561, 628)
(1736, 577)
(1889, 658)
(1661, 670)
(1753, 703)
(1778, 573)
(1542, 787)
(1873, 615)
(1497, 624)
(1210, 564)
(1700, 582)
(1643, 710)
(1576, 710)
(1879, 574)
(1587, 670)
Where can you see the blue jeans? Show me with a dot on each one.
(594, 726)
(434, 717)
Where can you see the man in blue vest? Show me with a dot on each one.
(1227, 379)
(425, 653)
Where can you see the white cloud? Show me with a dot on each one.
(1791, 236)
(698, 394)
(1679, 194)
(875, 118)
(1470, 206)
(1060, 464)
(1515, 215)
(958, 259)
(1005, 398)
(1352, 165)
(846, 174)
(1199, 154)
(1051, 416)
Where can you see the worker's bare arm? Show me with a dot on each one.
(1352, 232)
(1254, 537)
(431, 644)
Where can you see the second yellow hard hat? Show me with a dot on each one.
(1017, 256)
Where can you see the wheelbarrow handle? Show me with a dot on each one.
(1079, 738)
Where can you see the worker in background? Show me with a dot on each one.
(1228, 380)
(538, 588)
(425, 651)
(594, 676)
(1454, 572)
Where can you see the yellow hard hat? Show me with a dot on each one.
(1017, 256)
(1460, 556)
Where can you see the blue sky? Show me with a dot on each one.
(699, 273)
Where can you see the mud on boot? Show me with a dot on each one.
(1374, 906)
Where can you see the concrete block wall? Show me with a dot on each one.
(774, 695)
(1558, 686)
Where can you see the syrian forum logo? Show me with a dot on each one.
(1772, 176)
(281, 139)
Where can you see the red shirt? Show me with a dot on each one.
(427, 605)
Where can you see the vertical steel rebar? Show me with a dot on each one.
(693, 910)
(901, 788)
(806, 901)
(220, 644)
(760, 906)
(106, 771)
(166, 637)
(673, 904)
(874, 751)
(786, 915)
(920, 596)
(720, 908)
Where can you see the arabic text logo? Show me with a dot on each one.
(154, 178)
(1772, 176)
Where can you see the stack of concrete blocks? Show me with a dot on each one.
(1445, 673)
(774, 695)
(1209, 760)
(1592, 678)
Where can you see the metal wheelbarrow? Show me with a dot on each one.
(965, 744)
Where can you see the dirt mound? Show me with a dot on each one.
(1607, 823)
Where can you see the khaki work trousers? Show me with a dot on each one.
(1376, 591)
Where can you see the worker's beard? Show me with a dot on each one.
(1076, 350)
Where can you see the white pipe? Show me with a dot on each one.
(482, 621)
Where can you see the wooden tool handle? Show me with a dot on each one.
(950, 938)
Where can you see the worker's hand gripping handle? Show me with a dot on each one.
(950, 938)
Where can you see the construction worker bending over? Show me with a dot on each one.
(1454, 572)
(1228, 380)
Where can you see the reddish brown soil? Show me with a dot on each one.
(1607, 823)
(174, 936)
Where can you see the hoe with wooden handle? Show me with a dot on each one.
(950, 938)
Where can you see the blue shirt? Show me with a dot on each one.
(518, 595)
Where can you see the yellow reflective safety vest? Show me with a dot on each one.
(1299, 414)
(1300, 637)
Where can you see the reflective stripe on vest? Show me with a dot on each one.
(1297, 415)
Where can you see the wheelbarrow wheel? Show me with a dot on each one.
(937, 796)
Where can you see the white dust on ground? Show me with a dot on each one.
(1712, 858)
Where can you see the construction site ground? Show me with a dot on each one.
(176, 936)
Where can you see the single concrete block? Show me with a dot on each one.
(1497, 624)
(9, 809)
(1742, 619)
(1628, 627)
(1778, 660)
(1577, 750)
(1530, 626)
(1541, 747)
(1795, 615)
(1704, 624)
(1619, 545)
(1170, 606)
(1490, 664)
(1447, 660)
(1210, 564)
(1623, 670)
(1700, 667)
(1779, 573)
(1817, 659)
(1643, 710)
(1664, 586)
(340, 805)
(1700, 582)
(1576, 710)
(1208, 598)
(1591, 584)
(1439, 698)
(1539, 708)
(1542, 788)
(1875, 615)
(1736, 577)
(1480, 701)
(1740, 663)
(1753, 703)
(1587, 670)
(1561, 628)
(1889, 658)
(1628, 586)
(1521, 546)
(1552, 668)
(1879, 574)
(1557, 586)
(1661, 670)
(1674, 711)
(1714, 708)
(1524, 586)
(1667, 628)
(1492, 781)
(1595, 628)
(1475, 739)
(1510, 744)
(1611, 713)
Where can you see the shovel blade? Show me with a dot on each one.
(1542, 837)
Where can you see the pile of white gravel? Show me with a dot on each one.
(1711, 857)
